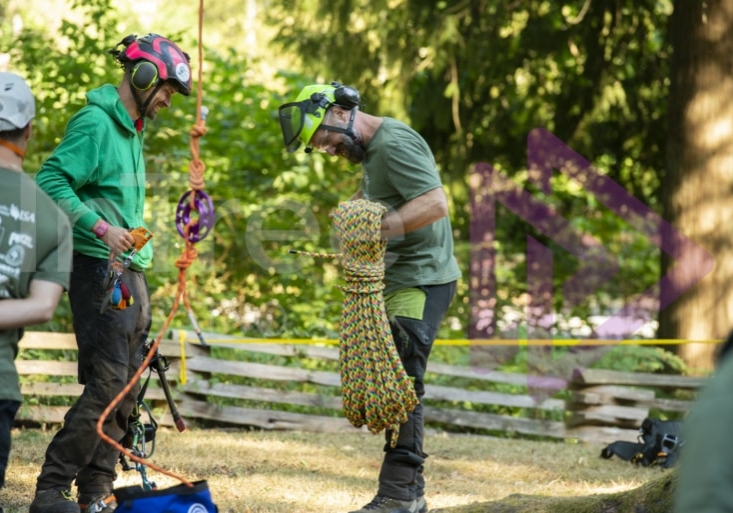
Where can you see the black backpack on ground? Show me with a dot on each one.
(659, 444)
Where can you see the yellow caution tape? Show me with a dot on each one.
(469, 342)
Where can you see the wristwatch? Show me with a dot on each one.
(101, 229)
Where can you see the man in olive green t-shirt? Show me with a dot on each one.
(35, 248)
(421, 272)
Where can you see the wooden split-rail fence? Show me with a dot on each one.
(249, 388)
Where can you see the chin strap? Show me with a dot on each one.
(143, 107)
(349, 128)
(12, 147)
(346, 131)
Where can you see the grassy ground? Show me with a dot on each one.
(286, 472)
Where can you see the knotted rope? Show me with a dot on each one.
(376, 390)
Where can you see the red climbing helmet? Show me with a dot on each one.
(168, 61)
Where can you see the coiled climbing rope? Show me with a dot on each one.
(376, 390)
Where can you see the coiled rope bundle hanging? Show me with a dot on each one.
(376, 390)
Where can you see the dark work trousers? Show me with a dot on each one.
(110, 352)
(8, 409)
(401, 475)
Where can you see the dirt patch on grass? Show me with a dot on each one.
(290, 472)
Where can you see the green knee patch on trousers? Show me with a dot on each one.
(408, 303)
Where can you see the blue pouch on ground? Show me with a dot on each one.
(178, 499)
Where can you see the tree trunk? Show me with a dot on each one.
(656, 496)
(696, 190)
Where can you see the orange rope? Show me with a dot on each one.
(188, 256)
(196, 168)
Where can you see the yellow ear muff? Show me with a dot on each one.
(144, 75)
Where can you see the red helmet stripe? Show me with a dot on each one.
(134, 53)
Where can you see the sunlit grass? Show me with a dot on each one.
(292, 472)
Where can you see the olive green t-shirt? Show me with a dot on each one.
(399, 166)
(35, 243)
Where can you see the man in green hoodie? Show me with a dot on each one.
(97, 176)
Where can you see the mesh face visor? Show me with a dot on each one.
(292, 119)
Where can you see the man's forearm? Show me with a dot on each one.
(37, 308)
(415, 214)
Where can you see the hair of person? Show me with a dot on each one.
(15, 135)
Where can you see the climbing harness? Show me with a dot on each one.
(376, 390)
(140, 436)
(140, 441)
(194, 219)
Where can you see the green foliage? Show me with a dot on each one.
(476, 78)
(61, 67)
(642, 358)
(473, 78)
(266, 201)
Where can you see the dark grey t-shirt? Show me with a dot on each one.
(399, 166)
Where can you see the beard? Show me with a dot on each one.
(350, 150)
(152, 112)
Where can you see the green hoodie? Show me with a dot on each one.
(98, 171)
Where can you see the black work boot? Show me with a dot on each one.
(382, 504)
(53, 501)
